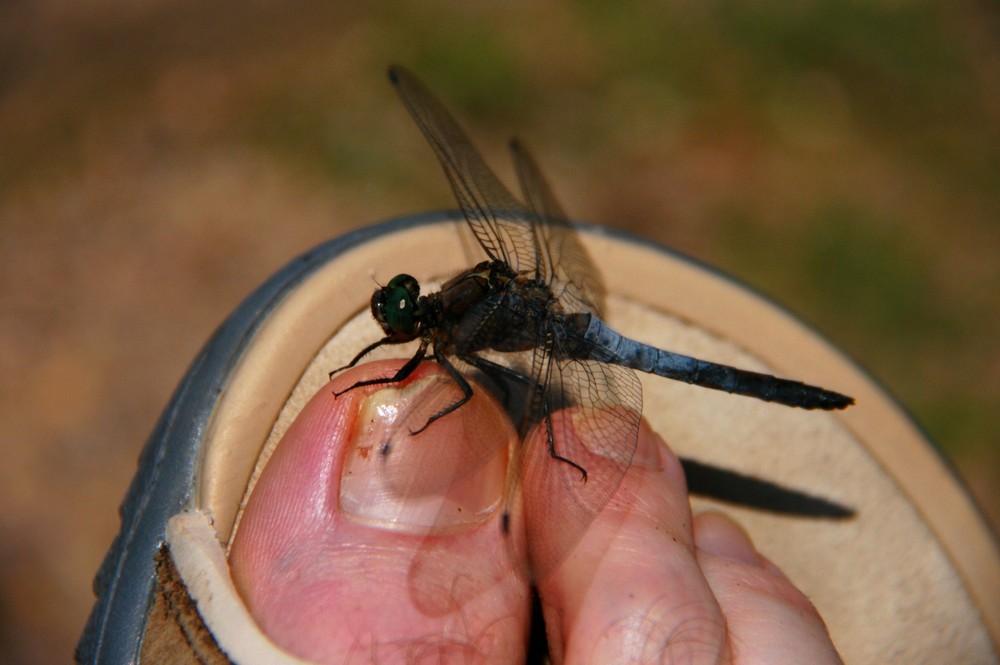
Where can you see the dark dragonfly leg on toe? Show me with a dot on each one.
(400, 375)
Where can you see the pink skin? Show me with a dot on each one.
(336, 577)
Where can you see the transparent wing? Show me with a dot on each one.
(500, 223)
(564, 262)
(593, 412)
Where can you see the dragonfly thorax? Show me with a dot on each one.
(394, 306)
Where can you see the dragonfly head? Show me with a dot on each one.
(393, 306)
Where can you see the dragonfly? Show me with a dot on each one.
(529, 315)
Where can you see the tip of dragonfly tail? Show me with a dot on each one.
(832, 401)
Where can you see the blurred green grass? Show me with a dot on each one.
(159, 160)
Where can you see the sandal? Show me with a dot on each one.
(164, 592)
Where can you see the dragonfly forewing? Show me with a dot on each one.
(565, 263)
(499, 222)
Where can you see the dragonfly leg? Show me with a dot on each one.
(463, 385)
(551, 440)
(400, 375)
(498, 373)
(495, 370)
(365, 351)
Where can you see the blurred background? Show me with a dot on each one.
(158, 160)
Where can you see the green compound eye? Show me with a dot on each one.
(400, 296)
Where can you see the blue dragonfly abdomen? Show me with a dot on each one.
(605, 344)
